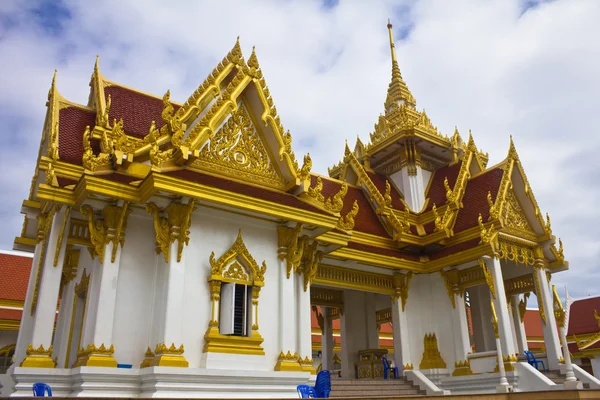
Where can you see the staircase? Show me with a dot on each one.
(558, 378)
(373, 388)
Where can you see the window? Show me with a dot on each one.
(235, 313)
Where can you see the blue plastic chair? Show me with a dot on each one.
(386, 368)
(532, 361)
(322, 385)
(40, 389)
(306, 392)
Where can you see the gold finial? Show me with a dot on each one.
(392, 46)
(52, 86)
(96, 68)
(253, 60)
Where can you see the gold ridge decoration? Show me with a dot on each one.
(488, 236)
(236, 272)
(315, 192)
(388, 194)
(92, 349)
(237, 148)
(489, 279)
(523, 306)
(304, 173)
(560, 252)
(90, 161)
(291, 246)
(401, 284)
(39, 351)
(162, 348)
(111, 229)
(238, 251)
(443, 223)
(432, 358)
(449, 193)
(494, 320)
(53, 142)
(311, 259)
(559, 312)
(336, 203)
(548, 226)
(157, 157)
(161, 229)
(176, 226)
(347, 222)
(462, 368)
(61, 235)
(514, 216)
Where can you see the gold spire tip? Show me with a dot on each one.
(392, 46)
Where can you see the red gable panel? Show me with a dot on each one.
(437, 191)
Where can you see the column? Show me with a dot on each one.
(327, 339)
(172, 234)
(107, 237)
(372, 333)
(500, 304)
(347, 352)
(480, 314)
(546, 304)
(45, 289)
(304, 338)
(521, 336)
(462, 345)
(595, 361)
(402, 357)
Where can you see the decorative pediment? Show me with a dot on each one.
(237, 265)
(513, 214)
(237, 149)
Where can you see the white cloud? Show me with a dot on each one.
(491, 66)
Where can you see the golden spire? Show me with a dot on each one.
(398, 92)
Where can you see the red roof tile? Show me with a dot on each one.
(253, 191)
(71, 126)
(138, 110)
(475, 199)
(379, 181)
(13, 315)
(437, 191)
(366, 221)
(533, 323)
(15, 271)
(581, 316)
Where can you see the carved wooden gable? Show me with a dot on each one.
(513, 215)
(237, 149)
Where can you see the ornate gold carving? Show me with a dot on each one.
(327, 297)
(548, 226)
(443, 223)
(336, 203)
(488, 235)
(538, 291)
(110, 229)
(238, 150)
(494, 320)
(236, 272)
(53, 142)
(162, 348)
(347, 222)
(401, 284)
(449, 193)
(238, 251)
(355, 279)
(388, 194)
(310, 262)
(518, 285)
(70, 264)
(315, 192)
(291, 247)
(90, 161)
(513, 214)
(93, 349)
(40, 351)
(518, 254)
(61, 234)
(451, 281)
(489, 279)
(559, 312)
(431, 355)
(304, 173)
(409, 367)
(288, 357)
(176, 226)
(462, 368)
(523, 306)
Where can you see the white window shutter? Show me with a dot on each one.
(226, 308)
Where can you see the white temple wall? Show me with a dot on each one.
(215, 231)
(135, 288)
(430, 311)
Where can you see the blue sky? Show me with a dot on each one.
(500, 67)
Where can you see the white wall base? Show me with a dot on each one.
(161, 382)
(477, 384)
(235, 362)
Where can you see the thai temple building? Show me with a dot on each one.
(184, 250)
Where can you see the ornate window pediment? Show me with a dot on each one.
(237, 265)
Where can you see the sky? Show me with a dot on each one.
(529, 69)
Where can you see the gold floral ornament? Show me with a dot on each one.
(238, 252)
(176, 226)
(111, 229)
(449, 192)
(388, 194)
(311, 259)
(315, 192)
(336, 203)
(90, 161)
(304, 173)
(488, 235)
(401, 284)
(291, 246)
(162, 348)
(489, 279)
(347, 222)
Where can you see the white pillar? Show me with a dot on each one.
(372, 333)
(61, 336)
(460, 326)
(26, 327)
(501, 306)
(44, 313)
(287, 318)
(595, 361)
(327, 340)
(98, 330)
(519, 326)
(400, 332)
(304, 338)
(571, 382)
(551, 339)
(347, 353)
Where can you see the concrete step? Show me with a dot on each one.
(346, 388)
